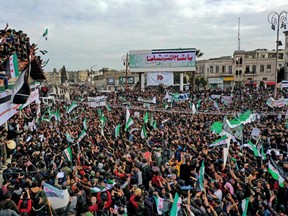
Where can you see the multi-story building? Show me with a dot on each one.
(53, 77)
(256, 67)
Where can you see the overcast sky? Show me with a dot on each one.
(84, 33)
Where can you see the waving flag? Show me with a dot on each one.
(216, 127)
(71, 107)
(220, 142)
(85, 124)
(146, 118)
(143, 132)
(275, 174)
(159, 204)
(57, 198)
(11, 68)
(200, 180)
(244, 118)
(244, 206)
(252, 147)
(81, 136)
(117, 130)
(68, 153)
(45, 34)
(129, 120)
(21, 91)
(176, 205)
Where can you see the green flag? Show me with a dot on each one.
(154, 125)
(176, 205)
(129, 120)
(85, 124)
(81, 136)
(108, 107)
(252, 147)
(201, 178)
(71, 107)
(244, 206)
(45, 34)
(117, 130)
(275, 174)
(216, 127)
(143, 132)
(146, 118)
(68, 153)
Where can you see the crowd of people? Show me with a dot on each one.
(18, 42)
(170, 170)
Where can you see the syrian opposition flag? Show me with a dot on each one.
(155, 125)
(69, 138)
(85, 124)
(68, 153)
(71, 107)
(81, 136)
(252, 147)
(22, 89)
(57, 198)
(244, 206)
(159, 204)
(146, 118)
(11, 68)
(216, 127)
(275, 174)
(129, 120)
(176, 205)
(45, 34)
(198, 104)
(244, 118)
(108, 107)
(166, 105)
(117, 130)
(220, 142)
(143, 132)
(200, 180)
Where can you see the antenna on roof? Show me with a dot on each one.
(239, 33)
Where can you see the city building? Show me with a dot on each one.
(53, 77)
(256, 68)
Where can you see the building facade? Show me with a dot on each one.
(53, 77)
(256, 68)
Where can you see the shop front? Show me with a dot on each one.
(228, 82)
(215, 83)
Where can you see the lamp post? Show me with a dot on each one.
(275, 19)
(90, 73)
(125, 59)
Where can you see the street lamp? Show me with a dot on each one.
(125, 59)
(275, 19)
(90, 73)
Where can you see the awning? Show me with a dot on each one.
(270, 83)
(251, 83)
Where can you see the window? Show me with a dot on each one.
(254, 69)
(262, 68)
(223, 69)
(268, 68)
(247, 69)
(211, 69)
(217, 69)
(230, 70)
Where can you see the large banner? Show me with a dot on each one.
(97, 101)
(156, 78)
(162, 60)
(7, 110)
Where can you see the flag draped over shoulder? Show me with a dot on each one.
(11, 68)
(21, 91)
(57, 198)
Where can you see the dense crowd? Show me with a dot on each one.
(13, 41)
(139, 175)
